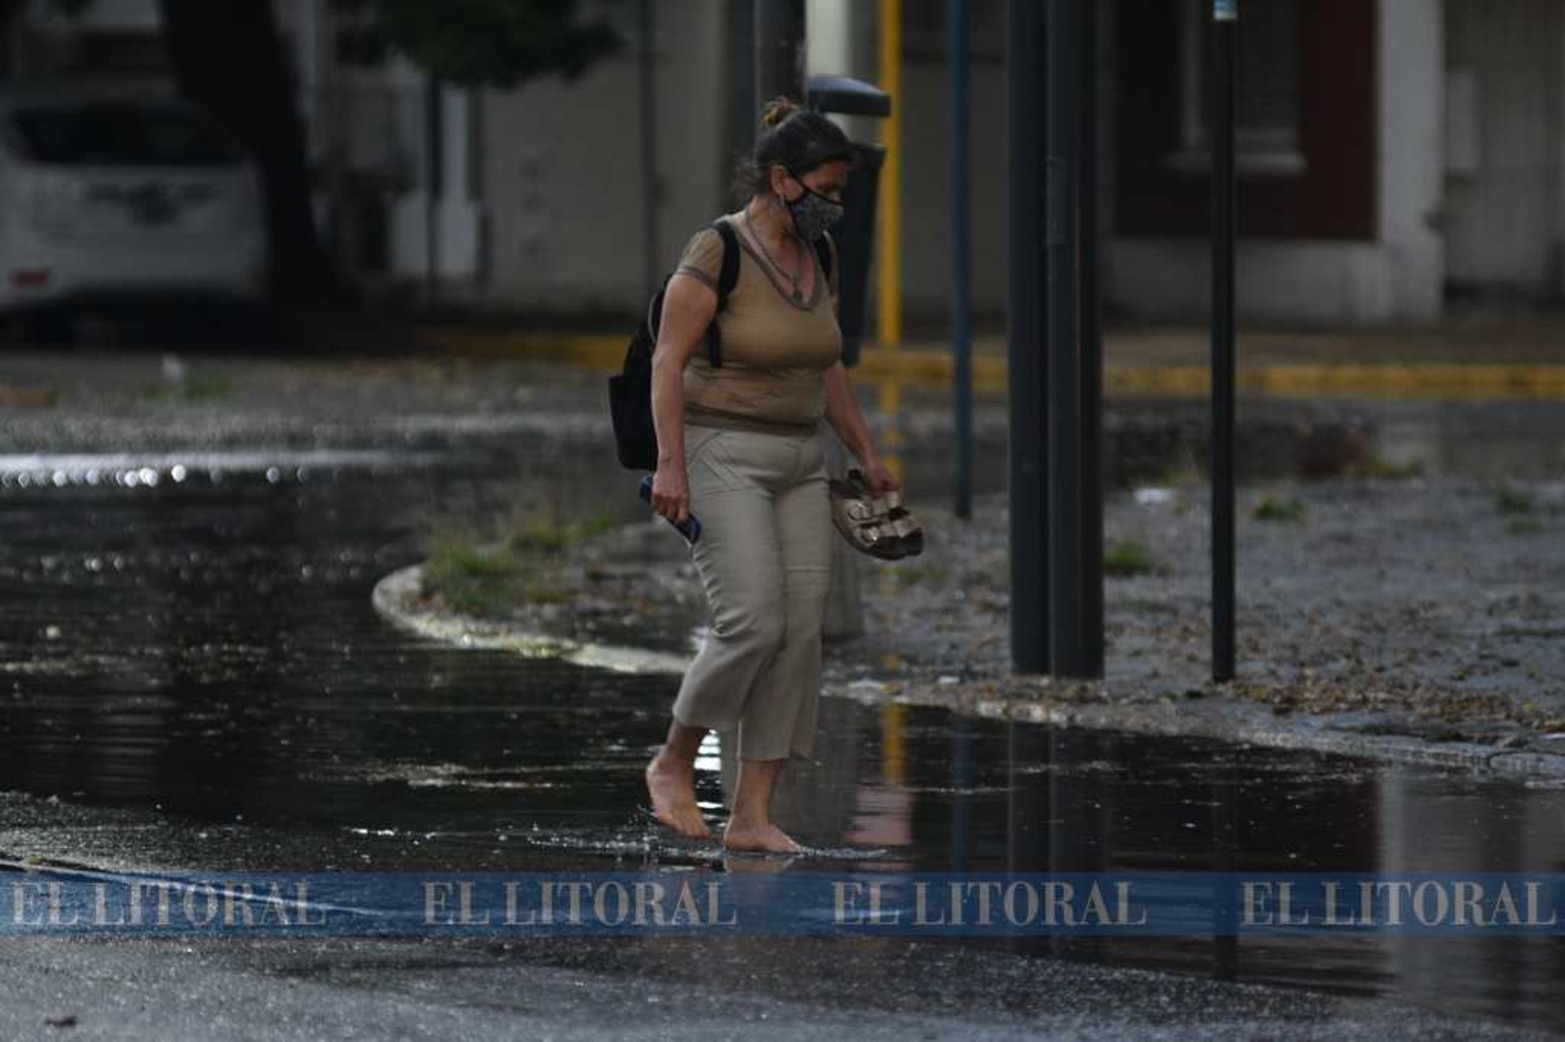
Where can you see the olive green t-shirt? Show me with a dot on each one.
(775, 350)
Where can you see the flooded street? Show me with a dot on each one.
(195, 678)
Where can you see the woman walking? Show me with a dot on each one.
(739, 446)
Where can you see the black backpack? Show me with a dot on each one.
(630, 392)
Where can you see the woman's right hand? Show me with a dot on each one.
(671, 492)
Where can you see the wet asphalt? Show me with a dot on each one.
(193, 678)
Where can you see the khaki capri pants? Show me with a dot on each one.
(764, 558)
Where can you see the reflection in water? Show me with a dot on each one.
(884, 808)
(203, 657)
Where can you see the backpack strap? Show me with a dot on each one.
(727, 278)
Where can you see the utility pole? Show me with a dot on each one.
(1056, 343)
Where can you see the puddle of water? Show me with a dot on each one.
(217, 692)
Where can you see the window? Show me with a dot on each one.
(114, 134)
(1266, 132)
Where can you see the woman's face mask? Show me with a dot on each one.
(812, 212)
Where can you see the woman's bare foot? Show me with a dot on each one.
(759, 836)
(673, 792)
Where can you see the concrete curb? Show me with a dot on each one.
(1229, 720)
(926, 369)
(1220, 719)
(395, 597)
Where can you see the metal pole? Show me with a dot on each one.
(962, 250)
(1062, 43)
(651, 261)
(1090, 550)
(434, 188)
(1225, 15)
(1026, 463)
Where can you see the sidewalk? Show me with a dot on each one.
(1418, 618)
(1474, 357)
(1415, 621)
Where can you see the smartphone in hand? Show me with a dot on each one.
(690, 528)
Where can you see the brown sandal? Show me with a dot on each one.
(876, 525)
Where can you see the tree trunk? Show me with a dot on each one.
(228, 57)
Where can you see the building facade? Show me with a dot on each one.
(1396, 157)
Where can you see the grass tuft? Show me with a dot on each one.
(1513, 501)
(1128, 557)
(492, 578)
(1377, 466)
(1270, 508)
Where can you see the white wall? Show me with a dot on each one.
(1281, 280)
(562, 171)
(926, 187)
(1503, 207)
(1412, 155)
(1397, 277)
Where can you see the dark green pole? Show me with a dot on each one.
(1090, 551)
(1225, 24)
(1062, 63)
(1027, 470)
(1075, 637)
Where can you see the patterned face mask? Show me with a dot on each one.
(812, 213)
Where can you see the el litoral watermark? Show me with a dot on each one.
(689, 901)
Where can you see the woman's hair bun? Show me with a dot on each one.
(793, 137)
(777, 110)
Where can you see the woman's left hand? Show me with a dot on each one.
(879, 477)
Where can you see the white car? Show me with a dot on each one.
(116, 197)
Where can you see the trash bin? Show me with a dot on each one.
(855, 232)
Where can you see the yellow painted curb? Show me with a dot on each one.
(932, 370)
(595, 351)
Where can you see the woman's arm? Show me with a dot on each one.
(847, 419)
(842, 405)
(688, 308)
